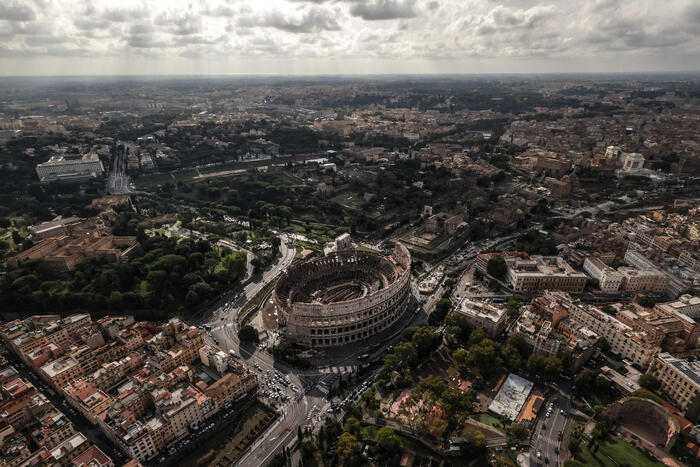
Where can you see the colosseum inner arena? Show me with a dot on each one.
(345, 297)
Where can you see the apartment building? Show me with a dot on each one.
(14, 447)
(52, 429)
(183, 408)
(62, 372)
(16, 396)
(680, 381)
(480, 314)
(214, 358)
(230, 388)
(88, 399)
(610, 280)
(635, 346)
(93, 457)
(688, 305)
(64, 453)
(541, 273)
(643, 280)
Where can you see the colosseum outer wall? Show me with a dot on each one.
(346, 322)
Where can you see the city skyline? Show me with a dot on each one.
(308, 37)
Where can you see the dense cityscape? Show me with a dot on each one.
(322, 271)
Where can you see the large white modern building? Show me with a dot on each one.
(70, 168)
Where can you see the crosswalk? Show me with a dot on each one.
(219, 328)
(338, 370)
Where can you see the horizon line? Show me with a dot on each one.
(340, 75)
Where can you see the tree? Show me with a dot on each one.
(478, 335)
(442, 307)
(478, 438)
(519, 431)
(348, 447)
(547, 367)
(388, 441)
(592, 283)
(485, 356)
(585, 381)
(518, 341)
(649, 382)
(497, 268)
(425, 339)
(603, 344)
(511, 357)
(406, 354)
(248, 334)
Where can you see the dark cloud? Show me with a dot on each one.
(14, 10)
(377, 10)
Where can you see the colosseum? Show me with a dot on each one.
(343, 298)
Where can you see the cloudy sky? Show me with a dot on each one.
(71, 37)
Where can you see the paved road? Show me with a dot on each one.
(80, 423)
(224, 325)
(544, 440)
(118, 180)
(308, 406)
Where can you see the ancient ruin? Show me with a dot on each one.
(345, 297)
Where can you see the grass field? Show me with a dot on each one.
(613, 452)
(152, 181)
(257, 299)
(243, 165)
(488, 420)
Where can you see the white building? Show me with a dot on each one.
(511, 397)
(680, 381)
(631, 161)
(343, 242)
(70, 168)
(688, 305)
(479, 314)
(328, 167)
(609, 279)
(214, 358)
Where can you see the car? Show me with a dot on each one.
(559, 437)
(546, 460)
(562, 412)
(539, 455)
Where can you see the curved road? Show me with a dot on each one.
(223, 322)
(304, 407)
